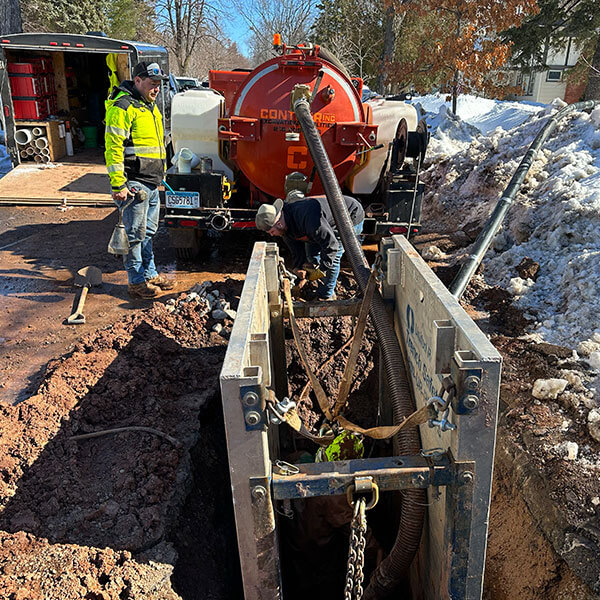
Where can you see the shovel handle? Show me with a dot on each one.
(82, 297)
(77, 317)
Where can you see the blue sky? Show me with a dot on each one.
(236, 30)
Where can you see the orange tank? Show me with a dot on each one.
(261, 134)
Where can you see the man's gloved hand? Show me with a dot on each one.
(300, 273)
(313, 273)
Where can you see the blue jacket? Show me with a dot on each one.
(310, 220)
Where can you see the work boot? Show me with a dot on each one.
(143, 290)
(162, 282)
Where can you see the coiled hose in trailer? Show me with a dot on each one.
(396, 564)
(493, 224)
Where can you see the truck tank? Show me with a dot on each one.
(246, 129)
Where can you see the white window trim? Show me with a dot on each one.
(559, 80)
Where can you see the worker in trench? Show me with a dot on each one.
(135, 159)
(308, 228)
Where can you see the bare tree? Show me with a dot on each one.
(291, 18)
(214, 53)
(183, 24)
(10, 17)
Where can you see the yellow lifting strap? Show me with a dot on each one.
(113, 78)
(316, 384)
(418, 417)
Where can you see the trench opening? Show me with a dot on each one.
(315, 532)
(204, 536)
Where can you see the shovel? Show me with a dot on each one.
(86, 278)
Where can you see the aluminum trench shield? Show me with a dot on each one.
(440, 339)
(442, 343)
(246, 371)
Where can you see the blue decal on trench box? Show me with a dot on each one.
(419, 355)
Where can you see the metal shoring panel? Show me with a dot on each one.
(440, 336)
(242, 390)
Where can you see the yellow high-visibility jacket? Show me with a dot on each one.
(134, 139)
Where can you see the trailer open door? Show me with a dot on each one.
(77, 67)
(8, 114)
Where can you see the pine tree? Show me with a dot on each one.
(65, 16)
(132, 20)
(456, 44)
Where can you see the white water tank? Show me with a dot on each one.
(386, 114)
(194, 115)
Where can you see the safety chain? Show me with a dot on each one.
(356, 552)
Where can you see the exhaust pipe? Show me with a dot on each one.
(220, 221)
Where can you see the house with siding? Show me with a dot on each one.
(550, 83)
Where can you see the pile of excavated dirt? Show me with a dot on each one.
(99, 518)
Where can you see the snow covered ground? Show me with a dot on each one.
(555, 219)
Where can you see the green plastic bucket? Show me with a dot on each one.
(91, 136)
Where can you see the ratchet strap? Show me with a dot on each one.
(379, 433)
(292, 418)
(359, 330)
(316, 384)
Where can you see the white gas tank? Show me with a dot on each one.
(194, 123)
(386, 114)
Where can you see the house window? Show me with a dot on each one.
(554, 76)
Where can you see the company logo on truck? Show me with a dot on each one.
(276, 116)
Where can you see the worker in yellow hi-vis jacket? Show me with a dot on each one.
(135, 160)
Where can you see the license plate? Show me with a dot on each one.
(182, 199)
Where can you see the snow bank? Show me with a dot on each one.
(481, 113)
(555, 219)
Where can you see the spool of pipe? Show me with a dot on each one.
(45, 159)
(45, 152)
(23, 153)
(23, 136)
(37, 131)
(41, 142)
(30, 151)
(38, 158)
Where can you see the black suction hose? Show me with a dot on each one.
(396, 564)
(493, 224)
